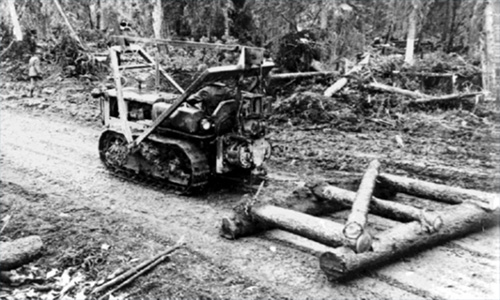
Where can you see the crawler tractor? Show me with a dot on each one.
(214, 128)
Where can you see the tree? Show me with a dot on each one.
(412, 28)
(490, 58)
(18, 34)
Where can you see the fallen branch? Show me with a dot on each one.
(392, 89)
(130, 273)
(339, 84)
(16, 253)
(136, 275)
(447, 98)
(404, 239)
(439, 192)
(334, 88)
(6, 49)
(6, 221)
(301, 75)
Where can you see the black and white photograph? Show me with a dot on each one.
(249, 149)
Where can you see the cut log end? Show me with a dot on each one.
(228, 229)
(333, 265)
(364, 243)
(353, 230)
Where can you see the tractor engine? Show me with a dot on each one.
(238, 126)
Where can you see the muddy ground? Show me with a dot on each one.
(92, 222)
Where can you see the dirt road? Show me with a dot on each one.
(50, 156)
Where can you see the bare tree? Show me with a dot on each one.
(412, 29)
(15, 21)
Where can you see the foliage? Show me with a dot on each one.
(343, 28)
(73, 59)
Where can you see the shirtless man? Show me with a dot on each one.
(34, 71)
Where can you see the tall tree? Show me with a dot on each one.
(489, 56)
(18, 33)
(412, 30)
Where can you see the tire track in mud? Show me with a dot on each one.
(290, 272)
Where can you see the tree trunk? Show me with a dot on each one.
(18, 33)
(93, 16)
(405, 239)
(16, 253)
(392, 89)
(158, 20)
(356, 222)
(101, 14)
(241, 223)
(488, 53)
(447, 97)
(410, 40)
(320, 230)
(439, 192)
(451, 29)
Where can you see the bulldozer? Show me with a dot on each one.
(215, 128)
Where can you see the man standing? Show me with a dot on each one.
(34, 71)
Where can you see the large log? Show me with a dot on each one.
(14, 254)
(404, 239)
(320, 230)
(242, 223)
(384, 208)
(438, 192)
(356, 222)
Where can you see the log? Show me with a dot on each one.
(389, 209)
(343, 263)
(392, 89)
(301, 75)
(320, 230)
(334, 88)
(356, 222)
(14, 254)
(447, 98)
(241, 223)
(439, 192)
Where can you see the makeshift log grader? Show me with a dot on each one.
(213, 128)
(347, 249)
